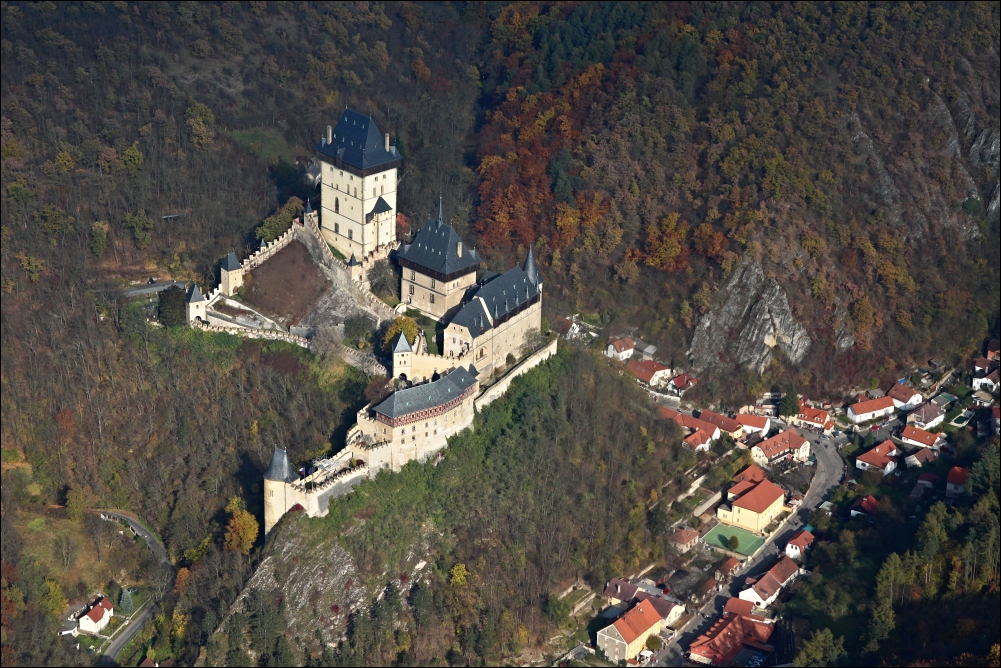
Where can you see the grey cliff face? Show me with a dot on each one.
(749, 318)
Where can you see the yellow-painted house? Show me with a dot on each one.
(755, 509)
(626, 637)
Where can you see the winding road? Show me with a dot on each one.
(110, 656)
(830, 472)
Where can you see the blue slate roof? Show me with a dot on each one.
(381, 206)
(195, 294)
(500, 295)
(280, 469)
(402, 345)
(231, 263)
(429, 395)
(358, 142)
(436, 247)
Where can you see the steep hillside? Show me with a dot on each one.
(850, 151)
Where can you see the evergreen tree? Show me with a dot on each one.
(789, 406)
(125, 603)
(170, 309)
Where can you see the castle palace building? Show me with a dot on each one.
(487, 321)
(437, 269)
(358, 178)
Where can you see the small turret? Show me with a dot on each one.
(277, 499)
(194, 308)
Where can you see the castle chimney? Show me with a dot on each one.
(330, 134)
(458, 248)
(387, 142)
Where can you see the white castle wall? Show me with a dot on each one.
(253, 333)
(497, 390)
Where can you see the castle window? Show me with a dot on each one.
(356, 192)
(382, 190)
(413, 276)
(373, 192)
(337, 205)
(432, 283)
(337, 228)
(411, 289)
(432, 299)
(341, 173)
(351, 234)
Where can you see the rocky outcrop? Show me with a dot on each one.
(748, 320)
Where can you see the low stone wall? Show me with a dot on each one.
(253, 333)
(497, 390)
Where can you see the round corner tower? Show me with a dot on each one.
(277, 488)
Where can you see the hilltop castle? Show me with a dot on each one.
(488, 322)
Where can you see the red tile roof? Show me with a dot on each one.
(621, 345)
(923, 455)
(725, 423)
(868, 504)
(781, 443)
(738, 606)
(755, 421)
(871, 406)
(801, 539)
(766, 586)
(784, 570)
(684, 381)
(742, 487)
(812, 415)
(645, 370)
(754, 473)
(725, 639)
(912, 433)
(99, 610)
(880, 456)
(958, 475)
(661, 605)
(902, 393)
(729, 566)
(698, 438)
(684, 537)
(759, 499)
(637, 621)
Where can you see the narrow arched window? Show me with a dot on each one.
(337, 205)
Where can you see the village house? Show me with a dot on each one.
(754, 424)
(763, 590)
(704, 592)
(754, 509)
(701, 434)
(727, 425)
(620, 348)
(870, 409)
(920, 457)
(984, 365)
(988, 383)
(643, 350)
(813, 417)
(867, 505)
(881, 458)
(626, 637)
(619, 591)
(787, 445)
(651, 373)
(726, 570)
(684, 540)
(955, 482)
(682, 383)
(926, 416)
(904, 397)
(570, 329)
(994, 349)
(736, 630)
(97, 617)
(798, 544)
(912, 435)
